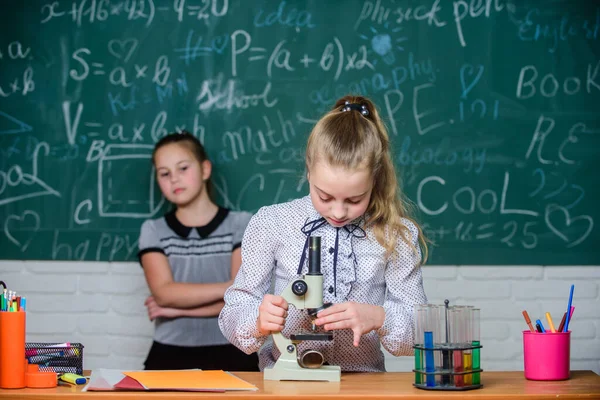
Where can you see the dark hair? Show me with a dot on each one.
(192, 144)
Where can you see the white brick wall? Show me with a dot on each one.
(101, 306)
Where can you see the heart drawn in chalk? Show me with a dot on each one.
(467, 71)
(220, 42)
(565, 224)
(29, 222)
(382, 44)
(122, 48)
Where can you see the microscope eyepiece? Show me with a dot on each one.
(314, 255)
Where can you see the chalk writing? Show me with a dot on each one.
(490, 108)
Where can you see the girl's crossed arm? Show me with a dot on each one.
(156, 311)
(168, 293)
(209, 309)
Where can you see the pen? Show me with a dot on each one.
(539, 328)
(537, 321)
(550, 323)
(526, 316)
(566, 329)
(562, 322)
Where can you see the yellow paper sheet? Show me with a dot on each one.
(189, 380)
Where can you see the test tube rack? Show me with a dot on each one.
(447, 364)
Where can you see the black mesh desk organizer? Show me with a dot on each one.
(56, 357)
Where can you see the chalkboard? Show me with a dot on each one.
(492, 107)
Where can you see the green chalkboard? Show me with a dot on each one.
(492, 107)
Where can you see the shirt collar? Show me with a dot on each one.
(203, 231)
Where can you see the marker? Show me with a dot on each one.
(45, 357)
(67, 344)
(564, 318)
(57, 363)
(566, 329)
(537, 321)
(73, 378)
(526, 316)
(539, 328)
(562, 322)
(43, 350)
(550, 324)
(58, 369)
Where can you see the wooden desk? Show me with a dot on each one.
(390, 385)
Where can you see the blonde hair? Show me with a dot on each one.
(353, 139)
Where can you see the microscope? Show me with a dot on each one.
(305, 293)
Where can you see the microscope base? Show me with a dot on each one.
(329, 373)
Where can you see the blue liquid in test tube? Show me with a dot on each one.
(429, 359)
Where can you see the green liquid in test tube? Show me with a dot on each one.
(418, 365)
(419, 324)
(476, 341)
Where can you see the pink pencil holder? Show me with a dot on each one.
(547, 356)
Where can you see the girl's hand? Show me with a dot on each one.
(361, 318)
(155, 311)
(271, 314)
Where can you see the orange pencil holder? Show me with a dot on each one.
(12, 350)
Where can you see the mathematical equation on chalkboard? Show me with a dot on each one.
(493, 151)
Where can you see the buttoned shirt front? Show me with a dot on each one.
(354, 267)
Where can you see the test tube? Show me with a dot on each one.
(429, 345)
(439, 338)
(476, 342)
(456, 326)
(467, 353)
(446, 354)
(420, 314)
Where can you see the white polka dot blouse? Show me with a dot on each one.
(354, 267)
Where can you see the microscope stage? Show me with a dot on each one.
(326, 336)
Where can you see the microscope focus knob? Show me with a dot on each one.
(299, 288)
